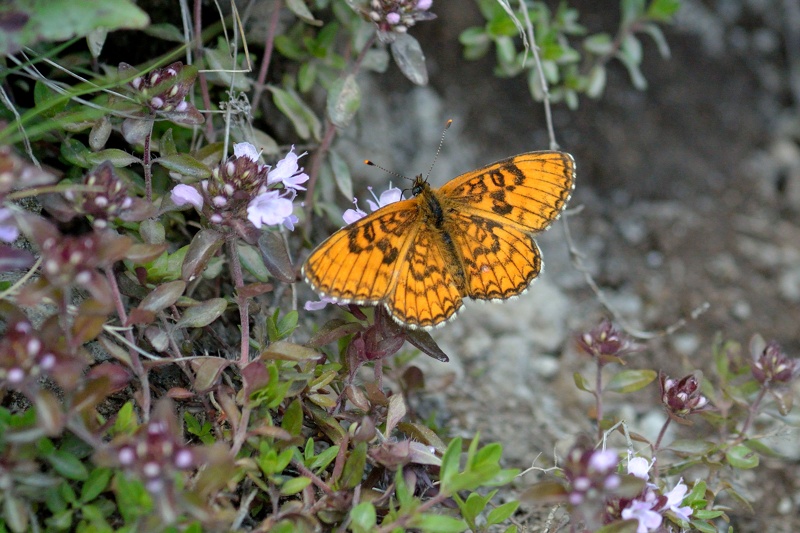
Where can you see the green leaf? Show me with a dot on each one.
(703, 527)
(164, 31)
(325, 458)
(658, 36)
(501, 26)
(634, 72)
(295, 485)
(742, 457)
(75, 152)
(203, 313)
(599, 44)
(306, 76)
(663, 10)
(163, 296)
(341, 173)
(474, 505)
(305, 122)
(363, 518)
(437, 523)
(199, 253)
(125, 422)
(354, 467)
(630, 380)
(68, 465)
(596, 81)
(97, 483)
(119, 158)
(631, 11)
(506, 50)
(299, 8)
(692, 447)
(632, 48)
(59, 20)
(450, 463)
(185, 165)
(293, 418)
(133, 500)
(502, 513)
(287, 324)
(581, 382)
(761, 448)
(252, 261)
(697, 493)
(408, 57)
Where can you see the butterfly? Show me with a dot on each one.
(472, 238)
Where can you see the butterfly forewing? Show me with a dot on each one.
(359, 263)
(528, 190)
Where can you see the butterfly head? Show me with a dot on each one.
(419, 185)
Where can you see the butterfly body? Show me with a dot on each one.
(471, 238)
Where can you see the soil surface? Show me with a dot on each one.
(688, 195)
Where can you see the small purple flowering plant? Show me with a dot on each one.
(241, 189)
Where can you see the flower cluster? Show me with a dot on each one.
(770, 366)
(155, 454)
(592, 474)
(242, 188)
(164, 89)
(110, 201)
(681, 397)
(27, 354)
(607, 343)
(650, 506)
(397, 16)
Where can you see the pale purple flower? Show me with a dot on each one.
(8, 228)
(321, 304)
(269, 209)
(247, 150)
(389, 196)
(674, 499)
(643, 512)
(603, 461)
(392, 18)
(186, 194)
(288, 172)
(639, 467)
(351, 215)
(290, 221)
(424, 5)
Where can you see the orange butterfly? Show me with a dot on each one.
(473, 237)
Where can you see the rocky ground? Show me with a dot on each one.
(690, 194)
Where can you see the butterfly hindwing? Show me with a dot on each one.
(428, 290)
(359, 263)
(528, 190)
(500, 261)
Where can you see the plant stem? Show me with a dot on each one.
(148, 176)
(598, 395)
(136, 362)
(269, 43)
(751, 413)
(241, 300)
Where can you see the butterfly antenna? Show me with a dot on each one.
(441, 143)
(390, 172)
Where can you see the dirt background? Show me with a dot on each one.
(690, 194)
